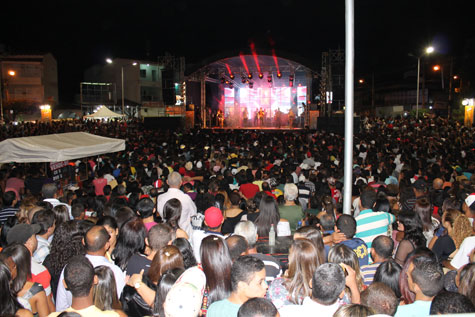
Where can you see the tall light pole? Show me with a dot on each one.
(428, 50)
(109, 61)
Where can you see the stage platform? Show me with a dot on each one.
(270, 129)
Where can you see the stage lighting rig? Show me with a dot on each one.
(261, 75)
(231, 76)
(243, 80)
(249, 75)
(269, 78)
(279, 74)
(251, 85)
(291, 80)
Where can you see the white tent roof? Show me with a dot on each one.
(104, 112)
(57, 147)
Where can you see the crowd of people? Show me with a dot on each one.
(183, 223)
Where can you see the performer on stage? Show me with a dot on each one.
(291, 119)
(220, 117)
(277, 117)
(261, 116)
(245, 117)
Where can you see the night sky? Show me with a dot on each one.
(83, 33)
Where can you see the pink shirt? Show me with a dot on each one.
(149, 225)
(99, 184)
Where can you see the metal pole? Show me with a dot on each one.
(122, 79)
(1, 90)
(417, 91)
(349, 102)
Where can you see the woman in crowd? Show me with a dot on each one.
(423, 208)
(9, 305)
(139, 294)
(233, 214)
(186, 250)
(340, 253)
(131, 239)
(166, 282)
(253, 206)
(354, 310)
(61, 252)
(112, 229)
(30, 295)
(269, 215)
(294, 286)
(216, 263)
(388, 273)
(61, 215)
(457, 228)
(171, 216)
(105, 291)
(409, 223)
(315, 236)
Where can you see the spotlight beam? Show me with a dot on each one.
(256, 60)
(243, 60)
(279, 74)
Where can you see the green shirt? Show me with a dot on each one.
(223, 308)
(293, 214)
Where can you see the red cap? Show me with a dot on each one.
(213, 217)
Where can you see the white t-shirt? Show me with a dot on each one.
(462, 256)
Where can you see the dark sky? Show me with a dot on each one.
(82, 33)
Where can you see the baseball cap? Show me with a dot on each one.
(213, 217)
(470, 199)
(22, 232)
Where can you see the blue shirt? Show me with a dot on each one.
(360, 248)
(417, 309)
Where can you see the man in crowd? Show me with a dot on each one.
(45, 218)
(381, 298)
(258, 307)
(50, 194)
(347, 225)
(79, 279)
(158, 237)
(369, 223)
(248, 230)
(381, 251)
(248, 280)
(9, 203)
(426, 279)
(213, 221)
(328, 284)
(188, 207)
(96, 242)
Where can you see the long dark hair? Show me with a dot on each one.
(412, 228)
(424, 210)
(166, 282)
(186, 250)
(60, 252)
(268, 215)
(388, 273)
(131, 239)
(216, 262)
(9, 305)
(166, 258)
(22, 259)
(105, 291)
(315, 236)
(172, 212)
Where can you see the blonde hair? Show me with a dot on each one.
(461, 227)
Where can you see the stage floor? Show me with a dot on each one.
(283, 128)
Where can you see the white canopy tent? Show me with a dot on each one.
(104, 113)
(57, 147)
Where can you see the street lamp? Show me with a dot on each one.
(109, 61)
(11, 73)
(428, 50)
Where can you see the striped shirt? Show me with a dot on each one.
(370, 224)
(7, 212)
(368, 271)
